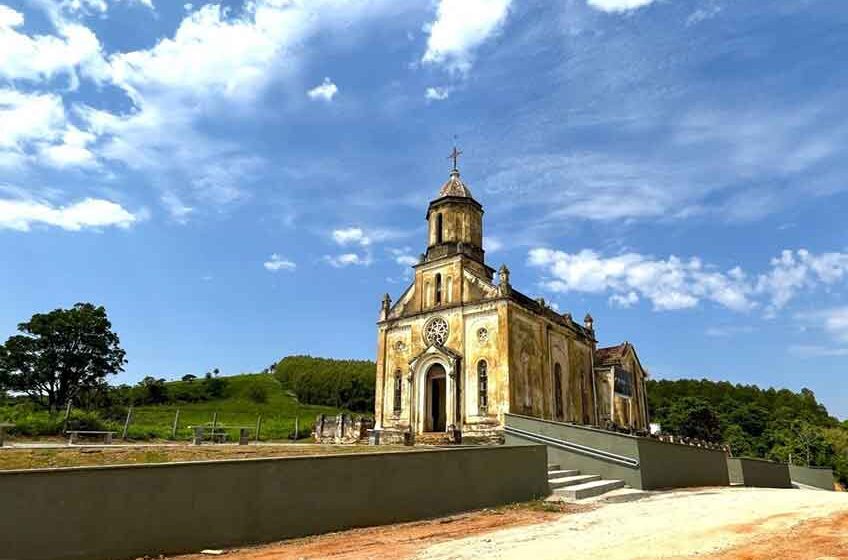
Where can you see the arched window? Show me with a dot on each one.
(558, 391)
(439, 231)
(438, 289)
(482, 386)
(398, 391)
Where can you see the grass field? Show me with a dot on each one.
(236, 408)
(86, 456)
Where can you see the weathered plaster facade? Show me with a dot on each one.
(461, 347)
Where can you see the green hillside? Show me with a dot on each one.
(238, 400)
(245, 397)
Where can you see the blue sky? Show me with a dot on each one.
(239, 182)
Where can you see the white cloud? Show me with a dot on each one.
(22, 214)
(404, 257)
(834, 323)
(624, 301)
(277, 263)
(363, 237)
(326, 90)
(460, 27)
(348, 259)
(29, 117)
(216, 63)
(669, 284)
(492, 244)
(702, 14)
(437, 93)
(794, 271)
(351, 236)
(24, 57)
(674, 283)
(35, 123)
(618, 5)
(73, 151)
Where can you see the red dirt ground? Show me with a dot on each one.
(817, 539)
(402, 540)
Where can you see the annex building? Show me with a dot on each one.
(461, 346)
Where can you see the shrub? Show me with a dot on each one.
(257, 392)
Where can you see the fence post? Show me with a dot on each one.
(296, 428)
(67, 416)
(258, 426)
(127, 423)
(214, 425)
(176, 422)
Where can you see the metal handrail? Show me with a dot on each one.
(574, 447)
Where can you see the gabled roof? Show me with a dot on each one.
(611, 354)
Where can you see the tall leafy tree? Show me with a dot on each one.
(61, 353)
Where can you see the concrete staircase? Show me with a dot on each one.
(571, 485)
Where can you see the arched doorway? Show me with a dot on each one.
(435, 415)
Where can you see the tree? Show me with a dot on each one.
(152, 391)
(188, 378)
(61, 353)
(693, 417)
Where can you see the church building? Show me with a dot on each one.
(461, 346)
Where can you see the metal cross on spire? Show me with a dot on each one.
(455, 157)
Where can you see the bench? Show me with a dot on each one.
(73, 435)
(218, 433)
(3, 426)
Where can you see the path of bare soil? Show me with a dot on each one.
(818, 539)
(403, 540)
(707, 523)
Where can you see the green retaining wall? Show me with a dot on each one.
(123, 512)
(660, 464)
(672, 465)
(759, 473)
(817, 477)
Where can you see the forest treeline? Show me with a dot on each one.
(776, 424)
(344, 384)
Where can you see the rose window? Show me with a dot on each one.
(436, 331)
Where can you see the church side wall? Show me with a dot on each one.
(536, 346)
(559, 356)
(527, 364)
(581, 402)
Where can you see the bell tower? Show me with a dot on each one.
(455, 220)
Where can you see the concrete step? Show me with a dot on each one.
(562, 473)
(588, 489)
(572, 480)
(553, 467)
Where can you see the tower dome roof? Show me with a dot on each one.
(455, 187)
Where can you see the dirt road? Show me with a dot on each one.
(714, 523)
